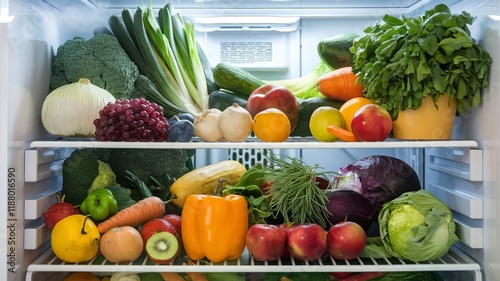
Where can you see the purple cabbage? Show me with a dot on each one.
(379, 178)
(349, 205)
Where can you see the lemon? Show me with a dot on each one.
(75, 239)
(321, 118)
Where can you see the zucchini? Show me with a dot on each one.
(127, 42)
(222, 99)
(334, 51)
(307, 107)
(236, 79)
(204, 180)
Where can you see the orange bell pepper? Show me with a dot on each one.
(213, 226)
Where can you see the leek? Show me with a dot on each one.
(157, 71)
(162, 48)
(187, 54)
(304, 87)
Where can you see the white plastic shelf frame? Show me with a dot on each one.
(453, 261)
(250, 143)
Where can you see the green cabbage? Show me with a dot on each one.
(417, 226)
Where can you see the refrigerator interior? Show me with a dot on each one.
(461, 173)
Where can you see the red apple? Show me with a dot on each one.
(270, 95)
(287, 227)
(340, 274)
(346, 240)
(154, 226)
(307, 242)
(266, 187)
(371, 122)
(58, 211)
(175, 221)
(266, 242)
(322, 182)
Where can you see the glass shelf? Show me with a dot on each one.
(250, 143)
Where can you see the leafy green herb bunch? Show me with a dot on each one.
(400, 61)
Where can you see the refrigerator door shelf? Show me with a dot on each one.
(470, 235)
(35, 206)
(43, 164)
(460, 201)
(466, 164)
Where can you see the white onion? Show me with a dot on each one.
(206, 125)
(70, 110)
(235, 123)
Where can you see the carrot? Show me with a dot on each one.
(171, 276)
(341, 133)
(364, 276)
(340, 84)
(140, 212)
(195, 276)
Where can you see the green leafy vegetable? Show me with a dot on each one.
(400, 61)
(417, 226)
(375, 248)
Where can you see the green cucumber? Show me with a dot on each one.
(334, 51)
(307, 108)
(236, 79)
(207, 69)
(222, 99)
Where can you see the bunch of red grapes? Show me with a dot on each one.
(131, 120)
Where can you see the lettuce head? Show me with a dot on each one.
(417, 226)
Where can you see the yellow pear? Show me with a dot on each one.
(75, 239)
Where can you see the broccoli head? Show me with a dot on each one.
(82, 171)
(122, 196)
(146, 164)
(105, 177)
(100, 59)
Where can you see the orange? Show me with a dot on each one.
(350, 107)
(271, 125)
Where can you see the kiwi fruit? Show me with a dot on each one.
(163, 247)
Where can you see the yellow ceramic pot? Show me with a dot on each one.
(427, 122)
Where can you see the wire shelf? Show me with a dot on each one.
(454, 260)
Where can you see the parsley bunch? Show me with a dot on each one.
(400, 61)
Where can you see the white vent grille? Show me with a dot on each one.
(246, 52)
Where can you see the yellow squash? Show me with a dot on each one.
(213, 226)
(204, 180)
